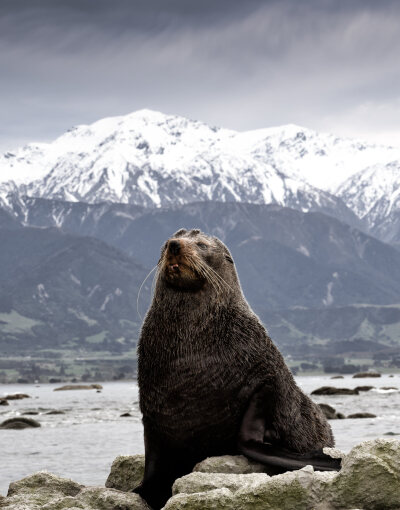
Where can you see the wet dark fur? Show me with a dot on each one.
(203, 354)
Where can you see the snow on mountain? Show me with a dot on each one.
(374, 195)
(151, 159)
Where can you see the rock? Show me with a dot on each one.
(330, 412)
(17, 396)
(99, 498)
(4, 402)
(55, 411)
(46, 491)
(36, 490)
(236, 464)
(294, 490)
(369, 478)
(364, 388)
(79, 387)
(389, 388)
(337, 377)
(19, 423)
(330, 390)
(367, 374)
(126, 472)
(125, 415)
(335, 453)
(203, 482)
(30, 413)
(362, 415)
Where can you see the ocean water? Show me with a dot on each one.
(82, 443)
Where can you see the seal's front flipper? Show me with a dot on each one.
(259, 441)
(284, 459)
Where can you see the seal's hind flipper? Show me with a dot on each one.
(270, 455)
(259, 441)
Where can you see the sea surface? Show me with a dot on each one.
(82, 443)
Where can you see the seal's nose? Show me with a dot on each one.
(174, 247)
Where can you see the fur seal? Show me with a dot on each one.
(211, 381)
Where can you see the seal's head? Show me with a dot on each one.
(192, 261)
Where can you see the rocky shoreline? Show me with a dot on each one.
(369, 480)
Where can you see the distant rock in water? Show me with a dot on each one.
(330, 390)
(364, 388)
(362, 415)
(30, 413)
(17, 396)
(55, 411)
(366, 374)
(4, 402)
(388, 388)
(330, 413)
(19, 423)
(68, 387)
(125, 415)
(337, 377)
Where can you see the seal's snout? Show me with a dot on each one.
(174, 247)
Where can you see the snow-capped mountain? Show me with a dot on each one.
(374, 195)
(151, 159)
(154, 160)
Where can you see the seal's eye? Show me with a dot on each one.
(202, 246)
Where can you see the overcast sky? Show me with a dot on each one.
(331, 65)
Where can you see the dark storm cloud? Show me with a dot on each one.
(326, 64)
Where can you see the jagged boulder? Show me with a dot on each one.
(126, 472)
(46, 491)
(238, 464)
(255, 491)
(369, 480)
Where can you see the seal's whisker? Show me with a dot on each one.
(140, 289)
(220, 278)
(210, 276)
(199, 266)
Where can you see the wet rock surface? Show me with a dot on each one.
(330, 412)
(330, 390)
(68, 387)
(364, 388)
(366, 374)
(19, 423)
(362, 415)
(16, 396)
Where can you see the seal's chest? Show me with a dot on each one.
(191, 393)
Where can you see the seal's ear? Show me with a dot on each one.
(229, 259)
(180, 232)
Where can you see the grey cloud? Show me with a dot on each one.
(238, 64)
